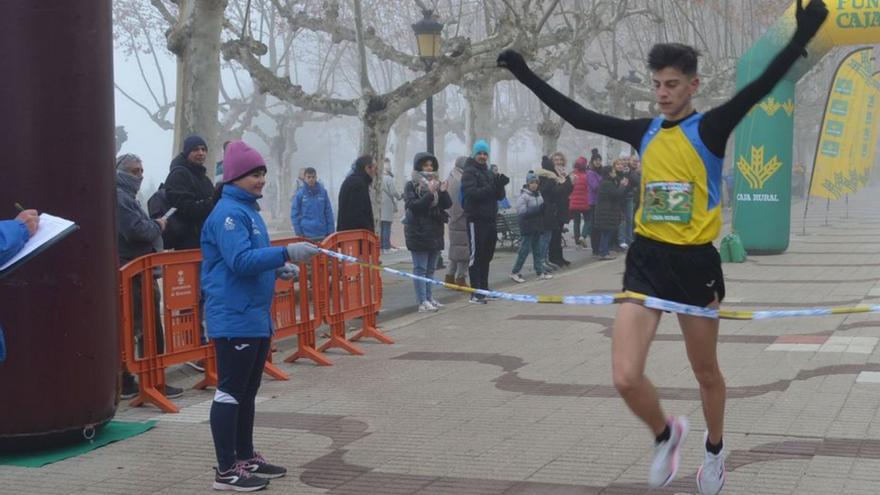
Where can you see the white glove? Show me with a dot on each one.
(287, 272)
(300, 252)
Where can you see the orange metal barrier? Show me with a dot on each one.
(352, 290)
(183, 328)
(327, 291)
(296, 309)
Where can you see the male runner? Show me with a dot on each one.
(672, 256)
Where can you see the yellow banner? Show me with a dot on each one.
(866, 145)
(842, 154)
(853, 22)
(850, 22)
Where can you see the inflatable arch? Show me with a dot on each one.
(764, 139)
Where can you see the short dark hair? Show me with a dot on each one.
(676, 55)
(361, 163)
(309, 171)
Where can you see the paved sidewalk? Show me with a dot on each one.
(517, 399)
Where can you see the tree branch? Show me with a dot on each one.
(155, 117)
(170, 18)
(546, 16)
(340, 32)
(282, 88)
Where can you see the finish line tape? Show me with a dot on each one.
(621, 297)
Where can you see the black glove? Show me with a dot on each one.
(502, 180)
(809, 20)
(513, 61)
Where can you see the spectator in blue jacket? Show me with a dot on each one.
(311, 212)
(239, 267)
(15, 233)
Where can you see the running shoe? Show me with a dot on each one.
(238, 479)
(261, 467)
(711, 476)
(667, 454)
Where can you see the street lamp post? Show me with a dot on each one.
(428, 39)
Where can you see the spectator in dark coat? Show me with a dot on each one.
(562, 216)
(607, 217)
(355, 207)
(624, 170)
(552, 188)
(426, 200)
(138, 235)
(481, 190)
(190, 190)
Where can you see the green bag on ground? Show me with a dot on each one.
(724, 250)
(732, 250)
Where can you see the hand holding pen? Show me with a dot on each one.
(30, 218)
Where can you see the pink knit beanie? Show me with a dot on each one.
(240, 160)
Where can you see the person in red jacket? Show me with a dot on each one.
(579, 201)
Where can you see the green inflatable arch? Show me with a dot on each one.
(764, 139)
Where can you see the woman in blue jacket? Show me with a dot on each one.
(238, 279)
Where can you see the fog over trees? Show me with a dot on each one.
(316, 83)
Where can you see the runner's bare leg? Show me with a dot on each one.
(701, 340)
(634, 329)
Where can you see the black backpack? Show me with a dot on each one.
(158, 204)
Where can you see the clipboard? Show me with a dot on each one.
(51, 230)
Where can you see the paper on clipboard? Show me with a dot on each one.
(50, 230)
(168, 213)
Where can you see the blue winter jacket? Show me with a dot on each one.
(238, 267)
(13, 235)
(311, 213)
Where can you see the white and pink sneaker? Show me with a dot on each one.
(667, 455)
(711, 476)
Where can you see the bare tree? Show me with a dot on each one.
(195, 40)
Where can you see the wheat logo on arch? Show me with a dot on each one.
(758, 171)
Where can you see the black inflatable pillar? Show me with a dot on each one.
(59, 311)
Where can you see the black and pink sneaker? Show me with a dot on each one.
(259, 466)
(238, 479)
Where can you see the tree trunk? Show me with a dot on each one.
(440, 148)
(374, 139)
(501, 157)
(549, 130)
(440, 131)
(278, 149)
(502, 153)
(285, 172)
(196, 42)
(402, 133)
(478, 122)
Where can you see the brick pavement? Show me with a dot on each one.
(517, 399)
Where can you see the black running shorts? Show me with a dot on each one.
(684, 274)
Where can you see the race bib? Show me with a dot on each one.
(671, 202)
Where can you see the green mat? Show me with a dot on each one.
(112, 432)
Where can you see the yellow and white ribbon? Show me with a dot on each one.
(621, 297)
